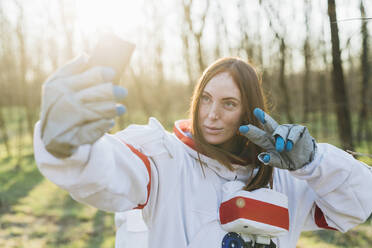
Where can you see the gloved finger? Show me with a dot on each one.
(295, 133)
(289, 145)
(74, 66)
(279, 144)
(88, 78)
(97, 93)
(271, 159)
(120, 109)
(101, 92)
(91, 132)
(257, 136)
(281, 134)
(264, 157)
(267, 121)
(119, 92)
(106, 110)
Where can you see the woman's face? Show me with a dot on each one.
(220, 110)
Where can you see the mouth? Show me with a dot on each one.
(212, 130)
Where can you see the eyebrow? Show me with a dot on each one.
(225, 98)
(231, 98)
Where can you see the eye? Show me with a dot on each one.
(205, 99)
(230, 104)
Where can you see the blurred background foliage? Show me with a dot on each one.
(314, 58)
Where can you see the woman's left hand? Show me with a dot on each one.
(287, 146)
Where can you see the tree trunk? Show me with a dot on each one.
(186, 9)
(282, 82)
(365, 67)
(20, 137)
(282, 60)
(140, 92)
(306, 50)
(192, 34)
(221, 31)
(323, 104)
(22, 87)
(67, 20)
(4, 133)
(338, 82)
(164, 103)
(201, 62)
(323, 85)
(198, 35)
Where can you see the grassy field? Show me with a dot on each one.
(35, 213)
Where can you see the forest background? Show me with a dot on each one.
(314, 58)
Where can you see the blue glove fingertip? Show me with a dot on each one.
(120, 110)
(279, 144)
(243, 129)
(289, 146)
(119, 92)
(260, 114)
(112, 124)
(266, 158)
(108, 74)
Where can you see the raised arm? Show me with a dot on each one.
(71, 147)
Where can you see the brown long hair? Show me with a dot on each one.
(246, 78)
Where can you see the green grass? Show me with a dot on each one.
(358, 237)
(36, 213)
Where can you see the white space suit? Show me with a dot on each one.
(147, 167)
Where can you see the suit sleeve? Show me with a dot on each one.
(112, 174)
(340, 186)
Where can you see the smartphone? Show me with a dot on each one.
(114, 52)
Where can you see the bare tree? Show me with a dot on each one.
(221, 30)
(365, 67)
(4, 133)
(22, 87)
(322, 88)
(198, 35)
(246, 42)
(186, 40)
(51, 43)
(280, 37)
(4, 63)
(306, 94)
(67, 20)
(339, 90)
(158, 33)
(193, 34)
(27, 104)
(140, 87)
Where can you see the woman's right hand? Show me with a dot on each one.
(78, 106)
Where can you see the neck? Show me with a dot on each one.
(232, 146)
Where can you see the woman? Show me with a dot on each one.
(185, 181)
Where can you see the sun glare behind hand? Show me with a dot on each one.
(119, 16)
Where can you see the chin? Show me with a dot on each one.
(215, 140)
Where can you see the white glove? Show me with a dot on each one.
(288, 146)
(78, 106)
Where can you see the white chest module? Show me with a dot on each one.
(253, 218)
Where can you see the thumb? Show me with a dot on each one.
(271, 159)
(91, 132)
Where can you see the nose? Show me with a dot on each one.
(214, 112)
